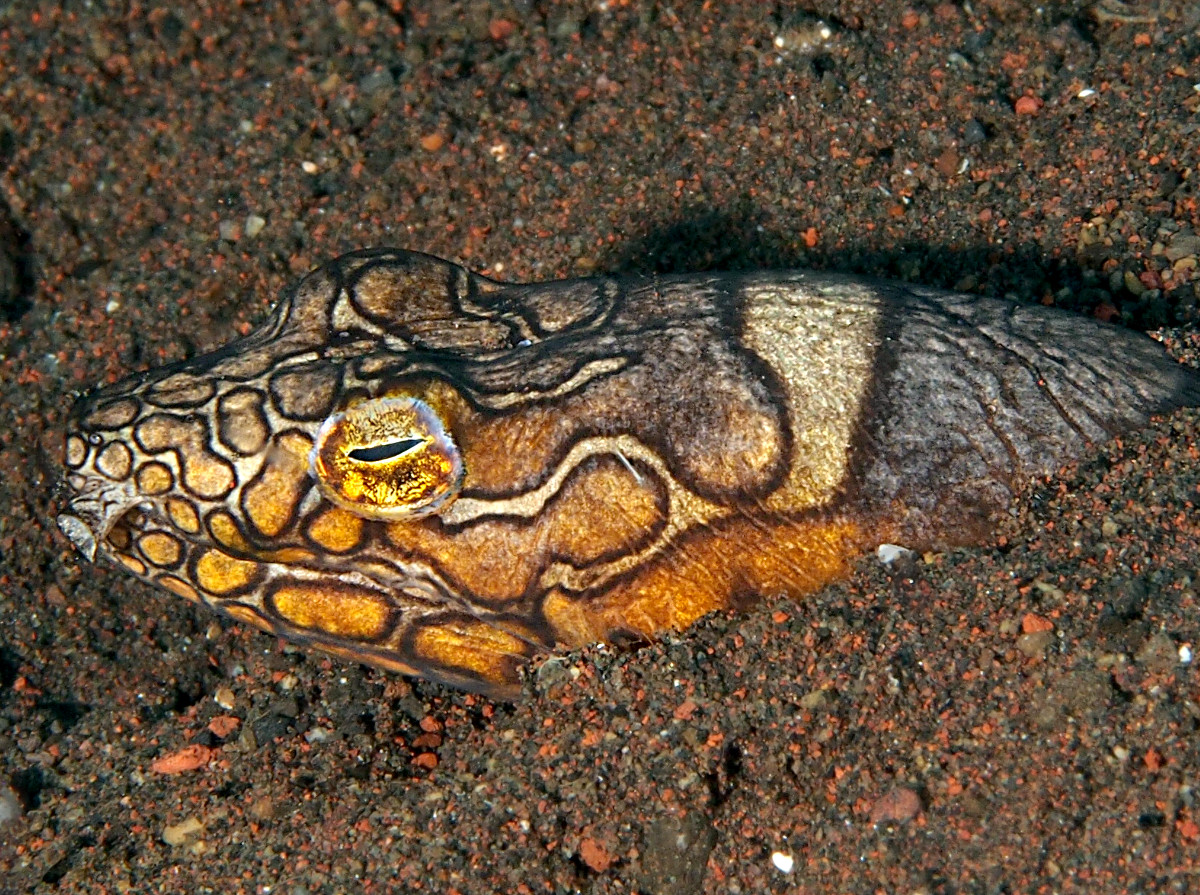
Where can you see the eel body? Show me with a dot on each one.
(419, 468)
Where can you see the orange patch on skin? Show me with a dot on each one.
(494, 559)
(700, 574)
(218, 573)
(386, 661)
(288, 555)
(473, 646)
(115, 461)
(339, 610)
(160, 549)
(75, 452)
(271, 499)
(154, 478)
(181, 388)
(573, 624)
(160, 433)
(517, 445)
(132, 563)
(583, 526)
(183, 515)
(602, 512)
(225, 532)
(204, 473)
(295, 445)
(241, 424)
(247, 615)
(179, 588)
(336, 530)
(113, 414)
(207, 476)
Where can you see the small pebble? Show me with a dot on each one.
(1158, 654)
(1026, 105)
(375, 81)
(783, 862)
(896, 806)
(182, 833)
(1183, 244)
(1035, 644)
(318, 735)
(10, 805)
(1032, 623)
(889, 553)
(595, 855)
(1134, 285)
(814, 699)
(804, 36)
(189, 758)
(223, 725)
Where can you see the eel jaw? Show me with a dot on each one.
(94, 512)
(78, 533)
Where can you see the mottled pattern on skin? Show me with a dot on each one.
(422, 469)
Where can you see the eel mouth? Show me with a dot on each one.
(100, 519)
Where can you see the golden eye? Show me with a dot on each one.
(387, 458)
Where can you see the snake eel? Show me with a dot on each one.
(419, 468)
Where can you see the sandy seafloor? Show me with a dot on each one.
(1020, 717)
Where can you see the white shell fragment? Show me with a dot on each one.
(889, 553)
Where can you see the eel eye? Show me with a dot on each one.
(387, 458)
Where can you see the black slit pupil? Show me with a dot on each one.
(388, 451)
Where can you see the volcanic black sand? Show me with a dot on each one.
(1016, 718)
